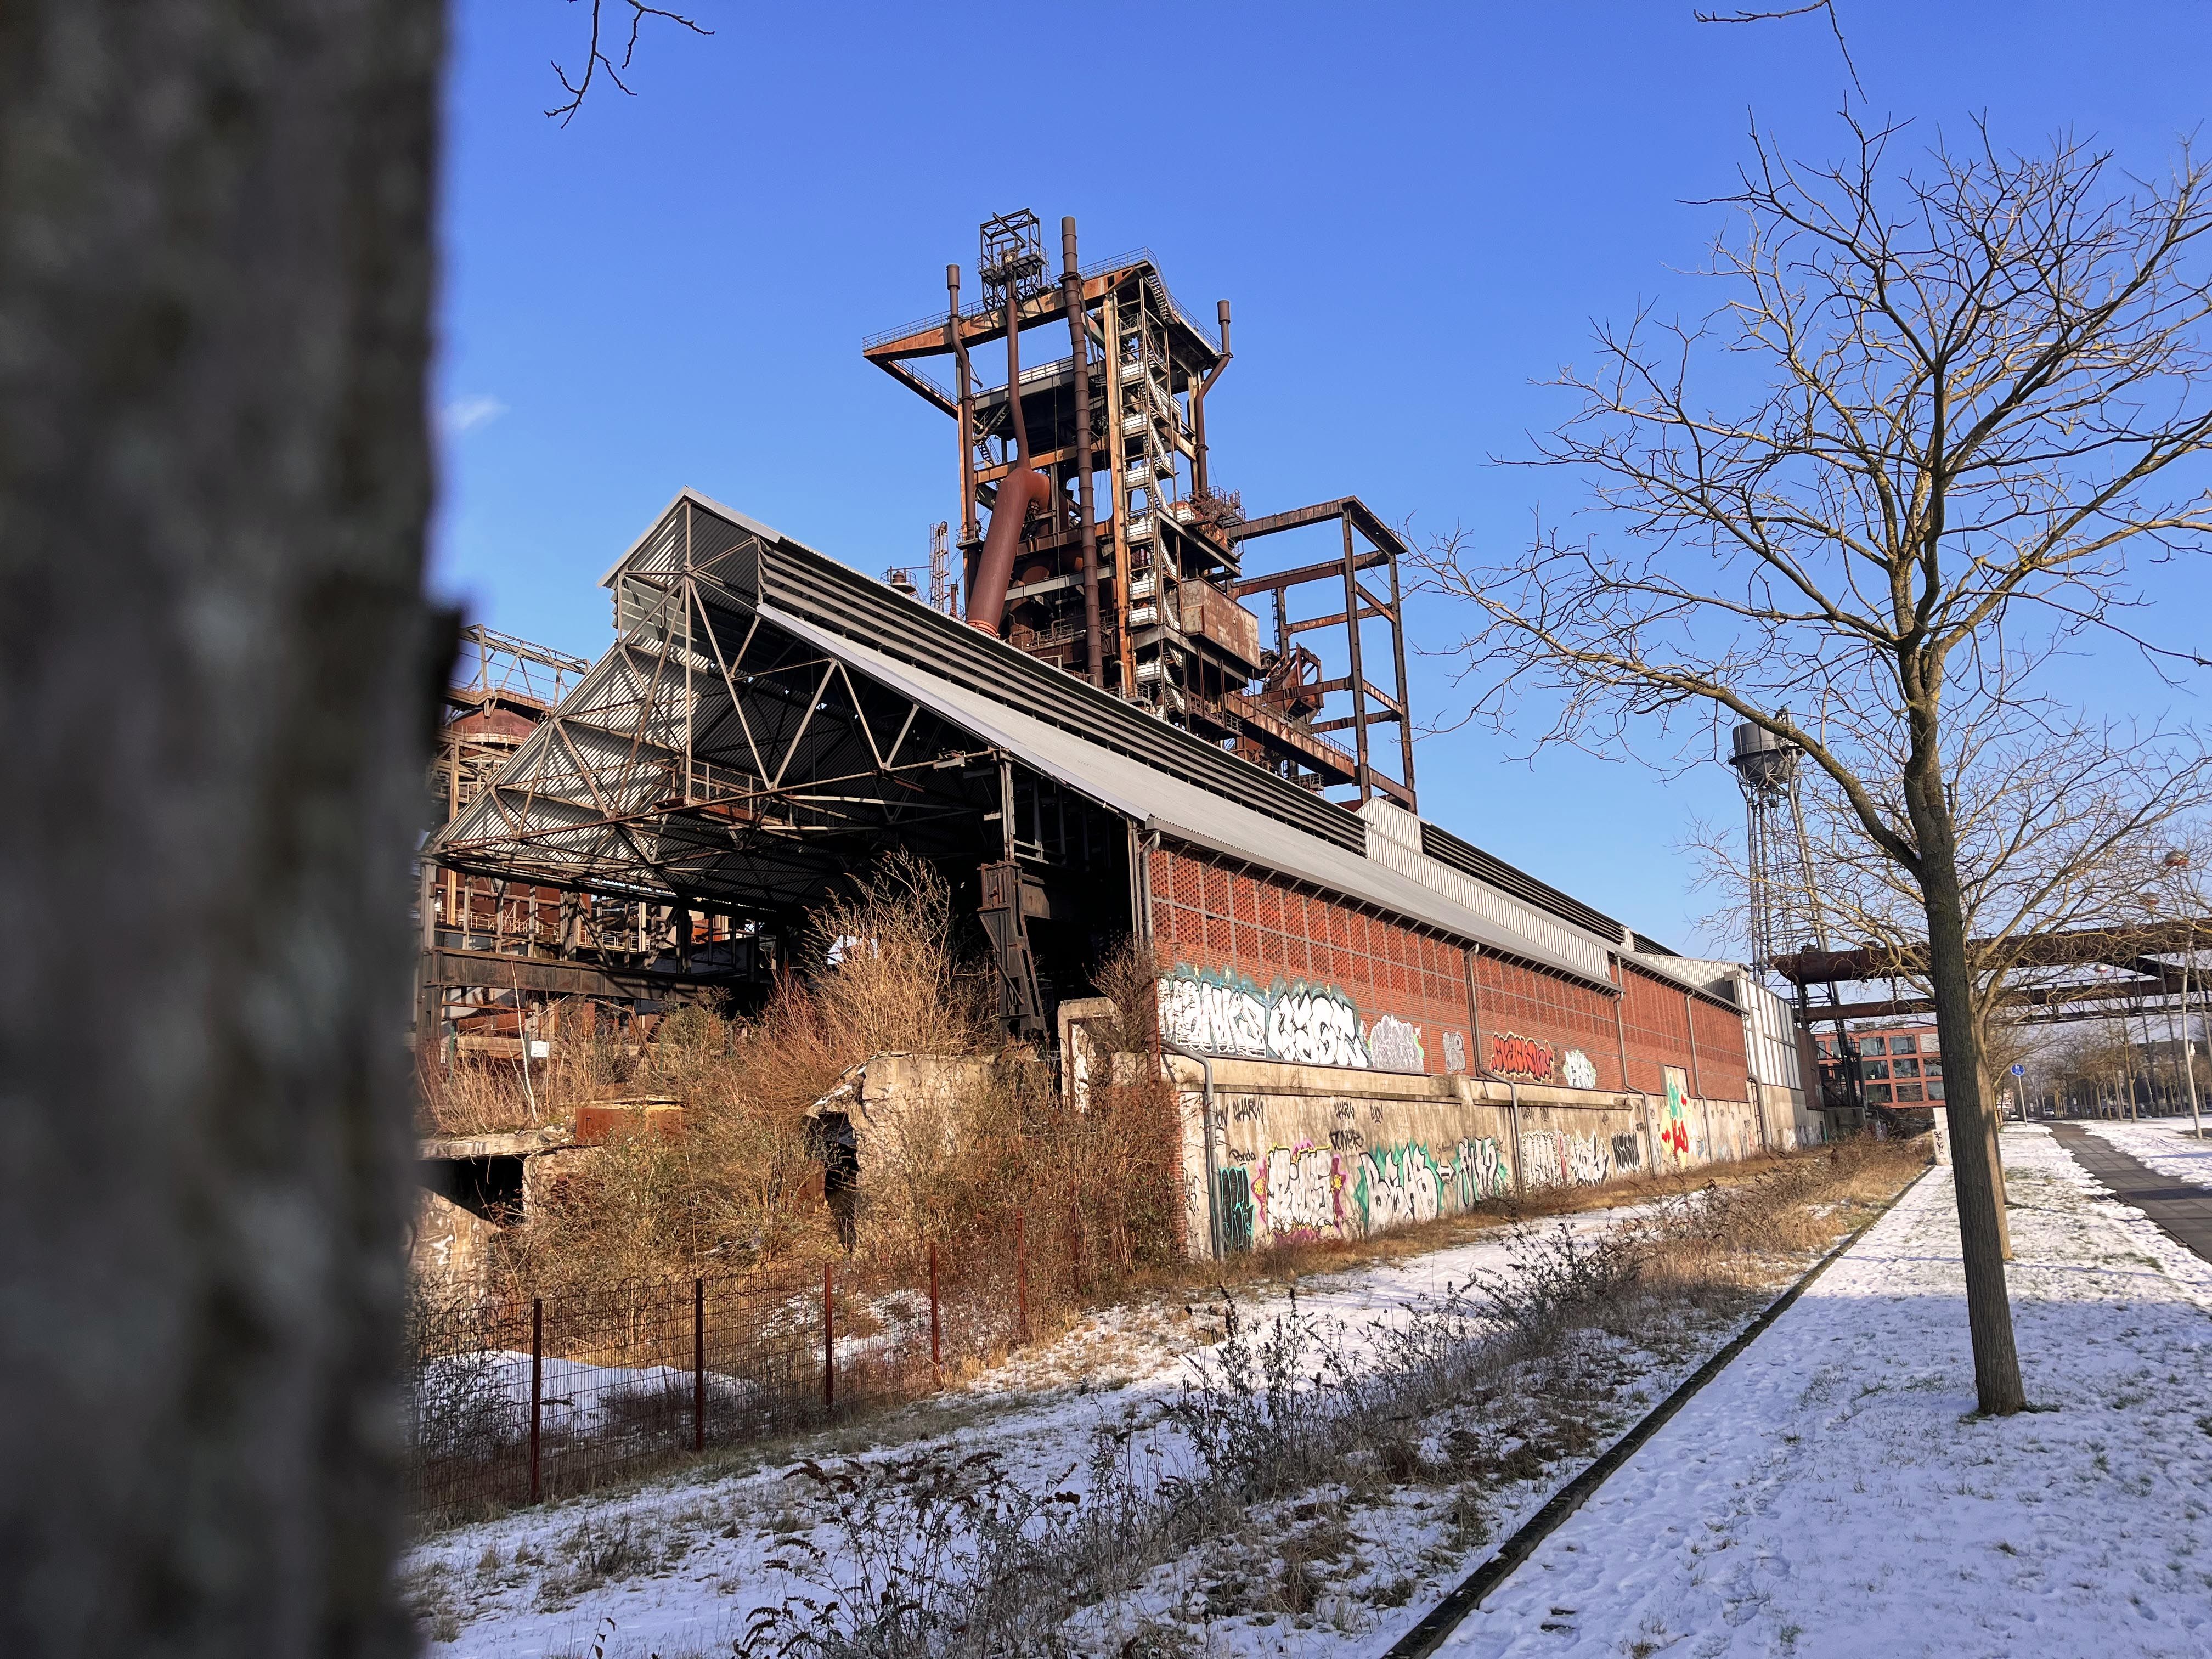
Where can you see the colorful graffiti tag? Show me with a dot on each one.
(1511, 1055)
(1674, 1123)
(1221, 1012)
(1479, 1171)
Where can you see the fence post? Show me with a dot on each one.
(936, 1353)
(1021, 1278)
(698, 1365)
(828, 1343)
(536, 1388)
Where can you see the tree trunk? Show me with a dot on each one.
(1993, 1127)
(1988, 1310)
(215, 278)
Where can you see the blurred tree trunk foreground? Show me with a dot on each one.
(215, 281)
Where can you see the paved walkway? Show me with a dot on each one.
(2184, 1212)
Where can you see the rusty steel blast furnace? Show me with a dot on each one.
(1095, 535)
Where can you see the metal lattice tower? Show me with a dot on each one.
(1124, 561)
(1784, 900)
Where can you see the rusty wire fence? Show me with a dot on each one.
(518, 1401)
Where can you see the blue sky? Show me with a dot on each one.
(1416, 212)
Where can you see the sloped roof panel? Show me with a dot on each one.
(1183, 811)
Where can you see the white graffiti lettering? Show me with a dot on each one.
(1478, 1171)
(1313, 1028)
(1222, 1017)
(1455, 1052)
(1590, 1160)
(1223, 1013)
(1394, 1045)
(1579, 1069)
(1396, 1187)
(1300, 1191)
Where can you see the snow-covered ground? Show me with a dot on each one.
(1832, 1493)
(679, 1567)
(2163, 1144)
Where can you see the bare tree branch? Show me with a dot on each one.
(1773, 14)
(596, 60)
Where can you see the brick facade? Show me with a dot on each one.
(1213, 918)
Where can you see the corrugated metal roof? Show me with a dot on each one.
(799, 581)
(1391, 831)
(1185, 812)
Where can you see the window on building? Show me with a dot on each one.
(1904, 1068)
(1826, 1047)
(1936, 1091)
(1931, 1066)
(1873, 1045)
(1877, 1094)
(1907, 1092)
(1904, 1045)
(1874, 1068)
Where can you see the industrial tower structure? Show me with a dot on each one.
(1143, 593)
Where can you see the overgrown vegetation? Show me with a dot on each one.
(1293, 1447)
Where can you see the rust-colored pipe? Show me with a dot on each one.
(1198, 400)
(1019, 491)
(1071, 289)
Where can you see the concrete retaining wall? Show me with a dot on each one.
(1309, 1152)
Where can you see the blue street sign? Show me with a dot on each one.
(2019, 1070)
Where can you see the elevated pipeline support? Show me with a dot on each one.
(1079, 330)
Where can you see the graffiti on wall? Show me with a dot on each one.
(1455, 1052)
(1296, 1190)
(1511, 1055)
(1479, 1171)
(1674, 1121)
(1221, 1012)
(1556, 1158)
(1579, 1069)
(1395, 1046)
(1397, 1185)
(1310, 1191)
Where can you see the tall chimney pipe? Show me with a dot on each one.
(1022, 487)
(1198, 400)
(1078, 331)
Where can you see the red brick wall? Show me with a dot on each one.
(1655, 1017)
(1659, 1017)
(1550, 1007)
(1210, 918)
(1720, 1050)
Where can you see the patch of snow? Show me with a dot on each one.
(1831, 1492)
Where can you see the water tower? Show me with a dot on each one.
(1781, 871)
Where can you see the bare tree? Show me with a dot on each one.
(1980, 382)
(215, 285)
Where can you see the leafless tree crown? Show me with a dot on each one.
(1978, 405)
